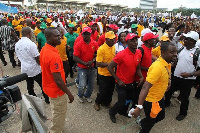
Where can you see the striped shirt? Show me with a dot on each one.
(7, 41)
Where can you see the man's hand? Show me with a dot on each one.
(140, 82)
(71, 98)
(185, 75)
(124, 14)
(89, 63)
(136, 112)
(121, 83)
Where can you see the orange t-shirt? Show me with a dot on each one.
(51, 62)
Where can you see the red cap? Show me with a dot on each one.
(149, 35)
(33, 23)
(92, 23)
(87, 29)
(131, 36)
(115, 27)
(61, 17)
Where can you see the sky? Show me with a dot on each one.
(170, 4)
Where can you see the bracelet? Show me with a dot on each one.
(139, 106)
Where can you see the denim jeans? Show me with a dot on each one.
(86, 78)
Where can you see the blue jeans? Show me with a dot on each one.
(86, 78)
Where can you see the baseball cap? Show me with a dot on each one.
(134, 26)
(92, 23)
(131, 36)
(43, 26)
(71, 25)
(148, 36)
(115, 27)
(33, 23)
(110, 35)
(144, 31)
(164, 38)
(87, 29)
(41, 19)
(192, 34)
(154, 29)
(49, 20)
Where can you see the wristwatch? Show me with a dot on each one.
(139, 106)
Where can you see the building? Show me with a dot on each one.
(148, 4)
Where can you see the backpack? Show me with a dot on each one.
(195, 56)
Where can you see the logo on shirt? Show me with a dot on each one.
(56, 66)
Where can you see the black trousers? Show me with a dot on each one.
(66, 68)
(11, 56)
(71, 62)
(147, 123)
(2, 56)
(124, 94)
(185, 86)
(106, 88)
(136, 94)
(197, 95)
(30, 85)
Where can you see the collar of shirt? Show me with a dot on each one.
(51, 47)
(120, 43)
(163, 61)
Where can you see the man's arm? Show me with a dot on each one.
(139, 73)
(110, 67)
(37, 60)
(143, 94)
(101, 64)
(14, 36)
(60, 83)
(78, 60)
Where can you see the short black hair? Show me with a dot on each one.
(48, 31)
(26, 31)
(164, 46)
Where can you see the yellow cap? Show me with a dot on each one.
(110, 35)
(21, 19)
(48, 20)
(74, 23)
(164, 38)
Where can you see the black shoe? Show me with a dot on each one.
(47, 101)
(125, 114)
(112, 118)
(180, 117)
(5, 63)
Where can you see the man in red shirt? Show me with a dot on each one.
(84, 55)
(127, 63)
(53, 79)
(146, 60)
(94, 34)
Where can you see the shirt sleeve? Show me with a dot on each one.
(100, 54)
(34, 51)
(153, 74)
(55, 65)
(118, 58)
(77, 50)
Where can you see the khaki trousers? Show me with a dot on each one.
(58, 109)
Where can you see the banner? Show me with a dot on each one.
(7, 9)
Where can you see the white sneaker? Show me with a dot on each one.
(81, 100)
(89, 100)
(175, 94)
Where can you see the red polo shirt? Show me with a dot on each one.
(102, 39)
(51, 62)
(94, 36)
(146, 60)
(127, 63)
(78, 39)
(85, 51)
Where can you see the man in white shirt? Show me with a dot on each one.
(28, 54)
(56, 22)
(185, 74)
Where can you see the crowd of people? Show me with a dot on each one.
(122, 52)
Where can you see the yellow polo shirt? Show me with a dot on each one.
(158, 75)
(156, 51)
(62, 49)
(37, 31)
(15, 22)
(139, 29)
(105, 54)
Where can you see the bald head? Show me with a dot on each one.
(4, 21)
(28, 22)
(26, 32)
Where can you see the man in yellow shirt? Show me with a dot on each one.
(16, 21)
(154, 88)
(105, 55)
(140, 27)
(62, 51)
(37, 28)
